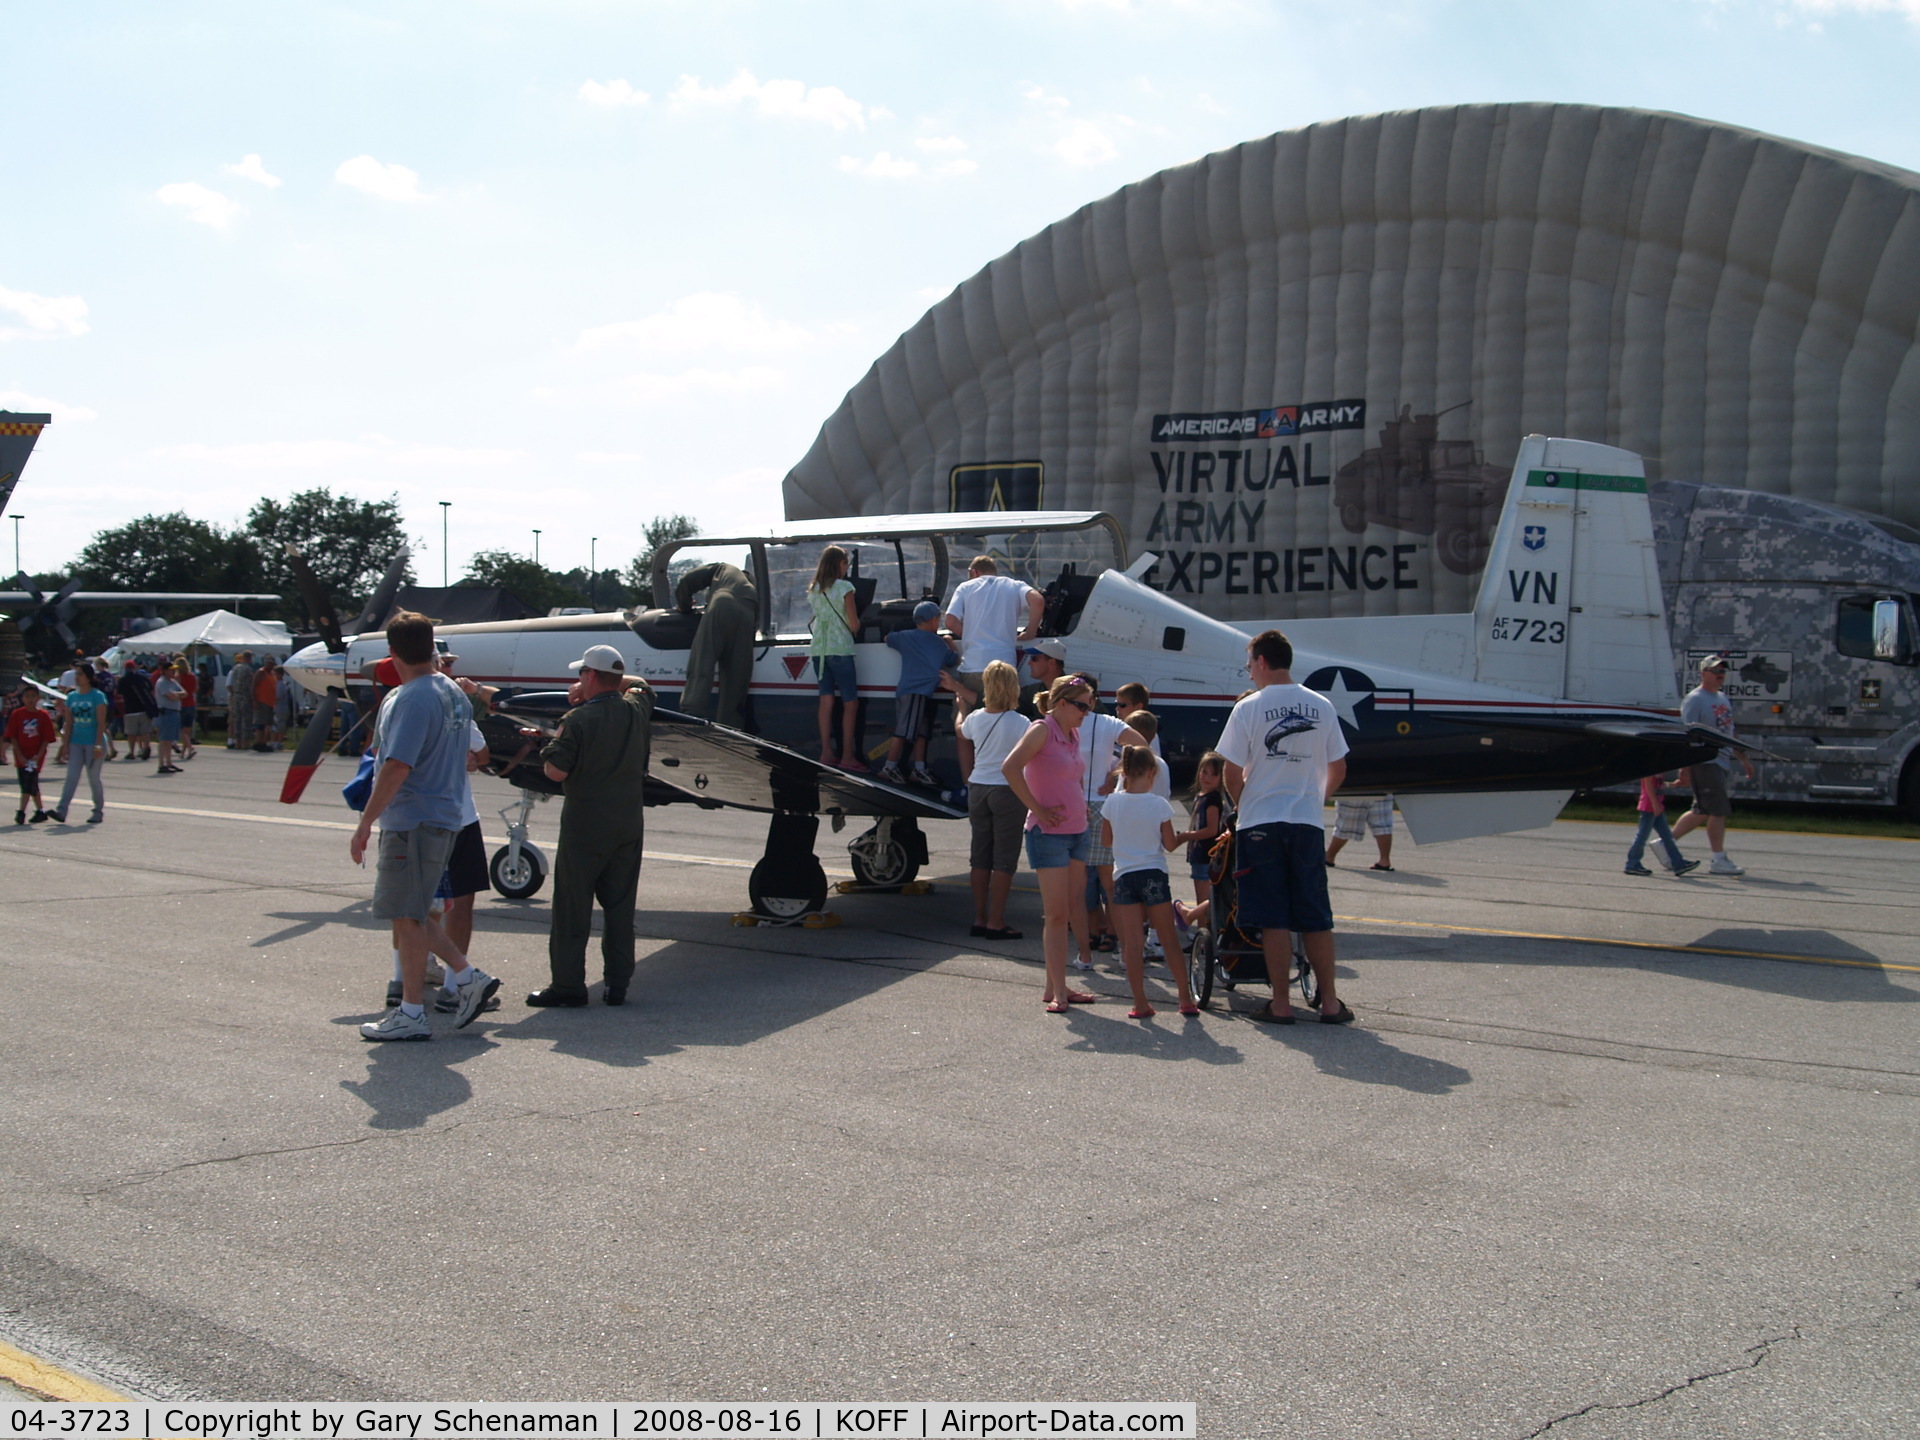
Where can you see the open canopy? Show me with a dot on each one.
(220, 630)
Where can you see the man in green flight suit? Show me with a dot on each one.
(599, 759)
(724, 639)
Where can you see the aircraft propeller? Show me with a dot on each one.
(54, 613)
(313, 745)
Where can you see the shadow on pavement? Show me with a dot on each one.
(1352, 1052)
(1104, 1029)
(408, 1083)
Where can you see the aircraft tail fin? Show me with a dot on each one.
(1570, 605)
(17, 435)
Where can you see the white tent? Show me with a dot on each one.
(220, 630)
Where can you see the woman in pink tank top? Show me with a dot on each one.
(1045, 771)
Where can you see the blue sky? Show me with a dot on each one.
(577, 263)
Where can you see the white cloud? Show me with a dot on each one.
(962, 166)
(209, 207)
(941, 144)
(46, 316)
(1908, 8)
(329, 454)
(612, 94)
(1042, 96)
(611, 457)
(22, 403)
(251, 168)
(884, 166)
(707, 321)
(383, 182)
(657, 387)
(781, 100)
(1085, 143)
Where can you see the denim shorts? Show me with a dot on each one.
(1200, 869)
(1282, 874)
(837, 676)
(1050, 852)
(170, 725)
(1142, 887)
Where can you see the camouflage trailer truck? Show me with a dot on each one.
(1814, 607)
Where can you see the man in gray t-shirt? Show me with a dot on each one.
(1706, 706)
(419, 798)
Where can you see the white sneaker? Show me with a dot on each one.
(1080, 962)
(1723, 866)
(1154, 950)
(398, 1026)
(923, 776)
(474, 993)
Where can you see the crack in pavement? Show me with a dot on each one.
(1759, 1353)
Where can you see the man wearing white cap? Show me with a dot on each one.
(599, 759)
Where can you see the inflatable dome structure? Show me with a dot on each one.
(1299, 369)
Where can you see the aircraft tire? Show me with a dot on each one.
(1200, 967)
(518, 882)
(787, 886)
(887, 865)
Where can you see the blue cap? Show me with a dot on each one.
(926, 610)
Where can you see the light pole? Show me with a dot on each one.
(536, 547)
(593, 572)
(16, 542)
(445, 505)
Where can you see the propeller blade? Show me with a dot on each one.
(68, 588)
(376, 612)
(319, 604)
(313, 745)
(25, 582)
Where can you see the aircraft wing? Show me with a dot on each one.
(710, 765)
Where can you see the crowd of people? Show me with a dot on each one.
(150, 710)
(1084, 796)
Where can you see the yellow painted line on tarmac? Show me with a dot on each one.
(1631, 944)
(36, 1376)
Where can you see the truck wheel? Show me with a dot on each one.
(1353, 516)
(1910, 788)
(1463, 550)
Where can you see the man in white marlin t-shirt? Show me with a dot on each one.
(989, 615)
(1285, 756)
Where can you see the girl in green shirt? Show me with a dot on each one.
(836, 621)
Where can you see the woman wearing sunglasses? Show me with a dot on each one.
(1047, 774)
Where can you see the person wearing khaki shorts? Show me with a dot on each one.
(419, 796)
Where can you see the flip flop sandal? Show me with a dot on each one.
(1189, 1010)
(1054, 1007)
(1342, 1016)
(1266, 1016)
(1138, 1014)
(1080, 997)
(1379, 866)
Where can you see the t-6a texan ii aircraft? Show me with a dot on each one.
(1560, 678)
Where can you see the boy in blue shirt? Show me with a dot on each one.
(925, 660)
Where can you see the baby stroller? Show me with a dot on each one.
(1226, 954)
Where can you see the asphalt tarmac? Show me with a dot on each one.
(1565, 1176)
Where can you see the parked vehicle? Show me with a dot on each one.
(1813, 605)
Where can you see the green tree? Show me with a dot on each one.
(348, 542)
(172, 552)
(528, 581)
(661, 530)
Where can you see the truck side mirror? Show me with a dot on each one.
(1888, 641)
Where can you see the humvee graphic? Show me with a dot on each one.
(1413, 480)
(1762, 671)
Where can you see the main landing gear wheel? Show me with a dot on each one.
(518, 877)
(1200, 967)
(788, 882)
(786, 887)
(886, 856)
